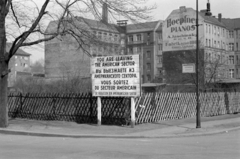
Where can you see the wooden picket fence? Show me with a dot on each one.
(150, 107)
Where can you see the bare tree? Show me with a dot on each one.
(212, 68)
(24, 23)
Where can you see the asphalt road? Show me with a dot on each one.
(220, 146)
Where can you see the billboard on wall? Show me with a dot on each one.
(116, 76)
(179, 30)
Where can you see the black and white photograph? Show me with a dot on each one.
(119, 79)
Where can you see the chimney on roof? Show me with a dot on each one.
(183, 9)
(208, 11)
(220, 17)
(203, 11)
(105, 12)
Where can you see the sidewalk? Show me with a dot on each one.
(161, 129)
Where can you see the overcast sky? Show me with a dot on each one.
(228, 8)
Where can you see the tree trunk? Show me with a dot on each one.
(3, 97)
(3, 69)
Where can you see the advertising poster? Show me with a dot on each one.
(179, 30)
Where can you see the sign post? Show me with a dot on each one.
(133, 110)
(116, 76)
(99, 111)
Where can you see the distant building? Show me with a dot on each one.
(146, 39)
(233, 45)
(19, 66)
(63, 59)
(63, 56)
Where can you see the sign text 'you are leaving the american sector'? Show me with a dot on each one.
(115, 76)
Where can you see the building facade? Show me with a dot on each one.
(64, 58)
(217, 55)
(145, 39)
(19, 65)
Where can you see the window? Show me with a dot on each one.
(218, 45)
(237, 46)
(230, 34)
(148, 34)
(231, 59)
(215, 43)
(209, 29)
(25, 65)
(206, 42)
(159, 47)
(148, 54)
(218, 32)
(130, 51)
(223, 32)
(231, 46)
(116, 37)
(159, 35)
(148, 66)
(130, 38)
(139, 37)
(99, 35)
(105, 36)
(159, 71)
(110, 37)
(209, 42)
(206, 28)
(149, 78)
(139, 49)
(209, 57)
(231, 73)
(159, 59)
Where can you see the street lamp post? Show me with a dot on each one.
(207, 13)
(198, 118)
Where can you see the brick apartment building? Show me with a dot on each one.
(218, 47)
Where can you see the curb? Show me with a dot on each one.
(41, 134)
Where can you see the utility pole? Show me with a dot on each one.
(198, 118)
(208, 13)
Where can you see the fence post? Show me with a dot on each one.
(99, 111)
(91, 105)
(132, 112)
(21, 105)
(226, 99)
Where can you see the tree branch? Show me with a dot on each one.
(19, 41)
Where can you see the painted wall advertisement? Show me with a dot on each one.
(116, 76)
(179, 31)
